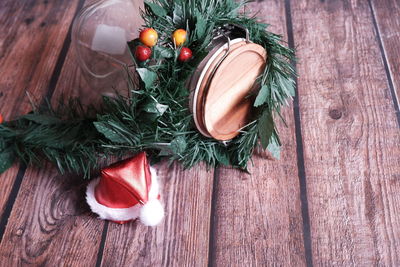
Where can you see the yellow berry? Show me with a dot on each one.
(148, 37)
(179, 37)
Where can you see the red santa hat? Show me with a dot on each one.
(125, 191)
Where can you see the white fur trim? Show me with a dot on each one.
(115, 214)
(152, 212)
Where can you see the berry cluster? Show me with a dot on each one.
(148, 37)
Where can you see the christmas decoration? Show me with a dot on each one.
(142, 53)
(127, 190)
(179, 37)
(148, 37)
(176, 110)
(1, 118)
(185, 54)
(221, 100)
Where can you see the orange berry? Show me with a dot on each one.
(179, 37)
(148, 37)
(1, 119)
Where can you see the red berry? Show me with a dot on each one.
(142, 53)
(185, 54)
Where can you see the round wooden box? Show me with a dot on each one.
(222, 87)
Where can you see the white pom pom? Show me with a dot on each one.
(152, 213)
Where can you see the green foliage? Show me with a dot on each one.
(65, 136)
(7, 158)
(148, 77)
(156, 117)
(265, 128)
(262, 96)
(274, 146)
(156, 9)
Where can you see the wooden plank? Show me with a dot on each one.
(350, 135)
(257, 218)
(182, 238)
(387, 15)
(32, 34)
(50, 222)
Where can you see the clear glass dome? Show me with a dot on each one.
(99, 37)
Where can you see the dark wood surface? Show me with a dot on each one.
(350, 133)
(331, 200)
(33, 39)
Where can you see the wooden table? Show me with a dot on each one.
(333, 199)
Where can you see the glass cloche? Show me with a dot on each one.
(99, 37)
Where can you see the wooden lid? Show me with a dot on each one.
(226, 107)
(202, 80)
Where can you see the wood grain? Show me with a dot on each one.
(257, 218)
(32, 34)
(199, 83)
(51, 225)
(227, 107)
(387, 15)
(350, 135)
(72, 82)
(182, 238)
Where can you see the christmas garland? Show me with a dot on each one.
(155, 117)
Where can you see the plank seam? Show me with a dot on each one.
(61, 58)
(11, 199)
(211, 237)
(299, 149)
(385, 63)
(102, 244)
(50, 90)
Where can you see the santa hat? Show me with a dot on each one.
(125, 191)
